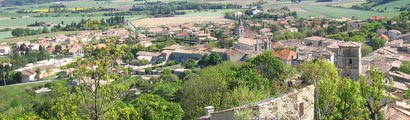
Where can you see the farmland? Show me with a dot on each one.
(176, 20)
(311, 8)
(6, 34)
(343, 12)
(390, 6)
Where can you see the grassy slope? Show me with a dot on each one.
(15, 92)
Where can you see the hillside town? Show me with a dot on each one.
(258, 64)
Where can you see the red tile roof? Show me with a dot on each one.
(275, 45)
(285, 54)
(384, 37)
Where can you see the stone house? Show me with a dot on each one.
(285, 55)
(152, 57)
(45, 71)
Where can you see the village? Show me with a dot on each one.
(196, 39)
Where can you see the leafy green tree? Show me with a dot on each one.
(171, 91)
(244, 95)
(212, 59)
(153, 107)
(350, 103)
(199, 92)
(46, 30)
(372, 89)
(315, 72)
(377, 43)
(366, 49)
(190, 64)
(97, 90)
(405, 67)
(123, 111)
(269, 66)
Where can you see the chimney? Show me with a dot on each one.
(209, 110)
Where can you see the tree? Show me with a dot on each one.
(171, 91)
(212, 59)
(349, 104)
(315, 72)
(58, 49)
(153, 107)
(269, 66)
(46, 30)
(377, 43)
(98, 90)
(190, 64)
(372, 89)
(366, 49)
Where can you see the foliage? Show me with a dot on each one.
(405, 67)
(171, 91)
(407, 94)
(153, 107)
(162, 9)
(212, 59)
(90, 24)
(264, 64)
(190, 64)
(366, 49)
(377, 43)
(372, 89)
(244, 114)
(19, 32)
(223, 86)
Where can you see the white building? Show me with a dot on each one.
(4, 50)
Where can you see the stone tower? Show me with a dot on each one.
(241, 29)
(349, 60)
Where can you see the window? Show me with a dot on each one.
(350, 61)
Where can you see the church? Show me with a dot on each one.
(248, 41)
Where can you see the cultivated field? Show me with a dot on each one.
(390, 6)
(345, 12)
(4, 35)
(310, 8)
(176, 20)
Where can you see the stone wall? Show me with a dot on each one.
(291, 106)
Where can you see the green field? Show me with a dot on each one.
(33, 37)
(342, 12)
(21, 22)
(390, 6)
(5, 35)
